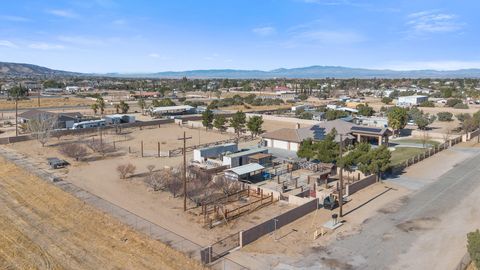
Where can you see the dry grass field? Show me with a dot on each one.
(45, 103)
(42, 227)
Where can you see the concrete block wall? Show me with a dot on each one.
(254, 233)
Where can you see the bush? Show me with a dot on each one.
(473, 247)
(126, 169)
(453, 102)
(387, 100)
(427, 104)
(74, 150)
(460, 106)
(444, 116)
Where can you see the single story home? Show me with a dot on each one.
(408, 101)
(64, 120)
(290, 139)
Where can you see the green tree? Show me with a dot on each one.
(375, 161)
(306, 149)
(327, 150)
(473, 247)
(207, 118)
(94, 107)
(254, 125)
(17, 93)
(101, 105)
(124, 107)
(219, 122)
(238, 122)
(397, 118)
(365, 110)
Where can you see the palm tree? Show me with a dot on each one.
(101, 105)
(94, 107)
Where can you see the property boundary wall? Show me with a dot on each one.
(361, 184)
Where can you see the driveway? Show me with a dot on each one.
(426, 230)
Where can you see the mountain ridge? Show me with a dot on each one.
(309, 72)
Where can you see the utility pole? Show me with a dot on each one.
(185, 138)
(340, 191)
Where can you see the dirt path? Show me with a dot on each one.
(42, 227)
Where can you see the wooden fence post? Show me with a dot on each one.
(141, 147)
(114, 148)
(158, 148)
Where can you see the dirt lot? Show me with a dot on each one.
(45, 103)
(99, 176)
(45, 228)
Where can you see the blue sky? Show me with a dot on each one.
(151, 36)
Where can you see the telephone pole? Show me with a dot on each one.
(340, 191)
(185, 138)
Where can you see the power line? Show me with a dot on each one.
(185, 138)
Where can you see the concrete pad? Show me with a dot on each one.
(332, 226)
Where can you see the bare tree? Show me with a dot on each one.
(74, 150)
(425, 138)
(42, 127)
(173, 181)
(155, 181)
(100, 147)
(125, 170)
(220, 182)
(447, 135)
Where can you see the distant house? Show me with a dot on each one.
(408, 101)
(172, 110)
(63, 120)
(290, 139)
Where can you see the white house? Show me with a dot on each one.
(408, 101)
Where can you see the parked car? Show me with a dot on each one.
(56, 163)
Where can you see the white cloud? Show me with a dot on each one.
(264, 31)
(45, 46)
(6, 43)
(435, 65)
(329, 36)
(154, 55)
(433, 22)
(13, 18)
(62, 13)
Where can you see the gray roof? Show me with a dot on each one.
(246, 169)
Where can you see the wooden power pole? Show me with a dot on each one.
(185, 138)
(340, 191)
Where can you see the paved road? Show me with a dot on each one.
(395, 238)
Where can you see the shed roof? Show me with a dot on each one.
(247, 152)
(246, 169)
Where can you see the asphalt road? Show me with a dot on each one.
(413, 232)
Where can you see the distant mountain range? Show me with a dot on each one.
(313, 72)
(28, 70)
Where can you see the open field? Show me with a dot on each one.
(45, 103)
(45, 228)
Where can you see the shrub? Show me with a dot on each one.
(453, 102)
(74, 150)
(387, 100)
(473, 247)
(428, 103)
(100, 147)
(460, 106)
(126, 169)
(444, 116)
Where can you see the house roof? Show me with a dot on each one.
(246, 169)
(319, 131)
(35, 114)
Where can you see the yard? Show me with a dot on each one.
(401, 154)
